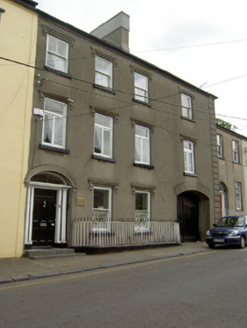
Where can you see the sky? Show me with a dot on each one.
(201, 42)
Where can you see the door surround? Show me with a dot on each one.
(61, 209)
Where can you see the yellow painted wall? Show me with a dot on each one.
(18, 35)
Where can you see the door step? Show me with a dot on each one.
(41, 253)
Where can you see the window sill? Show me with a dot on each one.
(144, 166)
(235, 162)
(104, 159)
(100, 87)
(57, 150)
(58, 72)
(142, 102)
(188, 119)
(187, 174)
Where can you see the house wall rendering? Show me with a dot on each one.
(232, 170)
(114, 137)
(18, 35)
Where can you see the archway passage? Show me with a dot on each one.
(188, 216)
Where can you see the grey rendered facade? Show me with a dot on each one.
(75, 172)
(232, 171)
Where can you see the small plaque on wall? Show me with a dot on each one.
(81, 201)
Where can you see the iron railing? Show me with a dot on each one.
(88, 232)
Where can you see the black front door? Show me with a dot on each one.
(188, 216)
(44, 215)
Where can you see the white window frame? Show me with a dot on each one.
(52, 117)
(220, 145)
(186, 106)
(103, 131)
(189, 157)
(235, 151)
(58, 56)
(102, 216)
(103, 74)
(140, 143)
(141, 87)
(142, 217)
(238, 196)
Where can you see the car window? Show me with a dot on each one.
(240, 222)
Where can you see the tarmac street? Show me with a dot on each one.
(196, 289)
(21, 269)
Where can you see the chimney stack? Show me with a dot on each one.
(115, 31)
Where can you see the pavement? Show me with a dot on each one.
(21, 269)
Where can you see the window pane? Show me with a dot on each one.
(102, 79)
(54, 122)
(141, 87)
(187, 145)
(141, 201)
(47, 135)
(62, 48)
(140, 94)
(188, 157)
(97, 141)
(103, 135)
(141, 131)
(57, 54)
(54, 107)
(101, 199)
(145, 151)
(103, 72)
(141, 81)
(107, 143)
(138, 150)
(51, 60)
(58, 133)
(186, 106)
(103, 120)
(52, 43)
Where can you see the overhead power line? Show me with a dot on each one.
(126, 103)
(192, 46)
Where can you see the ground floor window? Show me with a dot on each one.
(142, 211)
(101, 208)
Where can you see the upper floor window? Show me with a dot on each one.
(142, 210)
(103, 126)
(220, 145)
(103, 72)
(141, 87)
(142, 145)
(54, 123)
(102, 208)
(186, 106)
(238, 196)
(235, 151)
(57, 53)
(189, 161)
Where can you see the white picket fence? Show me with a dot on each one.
(117, 233)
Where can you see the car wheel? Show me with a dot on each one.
(211, 246)
(242, 242)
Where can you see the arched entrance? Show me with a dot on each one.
(46, 214)
(193, 210)
(188, 216)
